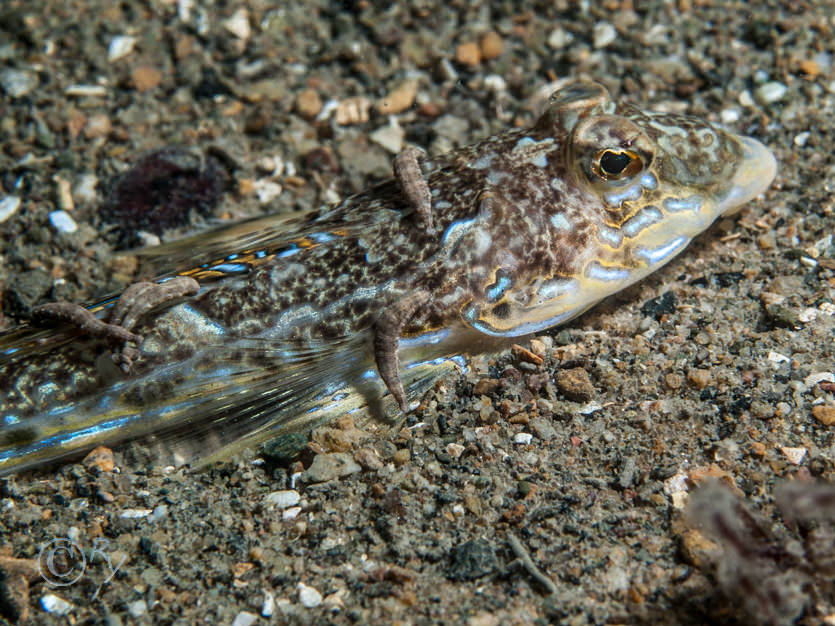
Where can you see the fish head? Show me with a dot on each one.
(637, 187)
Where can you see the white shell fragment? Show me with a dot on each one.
(8, 207)
(120, 46)
(63, 222)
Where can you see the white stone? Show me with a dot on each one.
(18, 83)
(745, 99)
(523, 439)
(244, 618)
(138, 608)
(776, 359)
(559, 38)
(238, 24)
(729, 116)
(282, 499)
(770, 92)
(816, 377)
(308, 596)
(290, 513)
(85, 188)
(55, 605)
(8, 207)
(267, 190)
(604, 34)
(390, 136)
(454, 450)
(794, 455)
(120, 46)
(495, 83)
(86, 91)
(63, 222)
(800, 139)
(268, 606)
(135, 513)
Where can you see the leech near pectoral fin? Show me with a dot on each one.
(140, 298)
(386, 340)
(410, 177)
(82, 319)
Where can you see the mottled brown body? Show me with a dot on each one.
(528, 229)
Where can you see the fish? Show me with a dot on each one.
(281, 324)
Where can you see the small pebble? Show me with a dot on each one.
(145, 78)
(729, 116)
(491, 45)
(327, 467)
(54, 605)
(63, 193)
(604, 34)
(559, 38)
(801, 138)
(352, 111)
(770, 93)
(794, 455)
(63, 222)
(290, 513)
(308, 596)
(401, 457)
(135, 513)
(468, 54)
(699, 378)
(268, 606)
(308, 103)
(86, 91)
(85, 189)
(8, 207)
(282, 499)
(101, 458)
(137, 609)
(98, 125)
(399, 99)
(120, 46)
(454, 450)
(575, 384)
(17, 83)
(745, 98)
(267, 190)
(238, 24)
(523, 439)
(244, 618)
(824, 414)
(390, 137)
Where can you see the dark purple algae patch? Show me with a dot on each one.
(161, 190)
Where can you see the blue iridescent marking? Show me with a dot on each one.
(369, 374)
(497, 289)
(609, 274)
(11, 351)
(231, 268)
(524, 142)
(11, 419)
(456, 230)
(482, 163)
(470, 314)
(322, 237)
(643, 218)
(649, 181)
(557, 287)
(260, 254)
(662, 253)
(609, 236)
(690, 203)
(233, 256)
(430, 338)
(293, 249)
(617, 198)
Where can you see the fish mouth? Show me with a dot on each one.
(753, 176)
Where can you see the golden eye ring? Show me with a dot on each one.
(616, 164)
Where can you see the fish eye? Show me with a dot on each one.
(612, 164)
